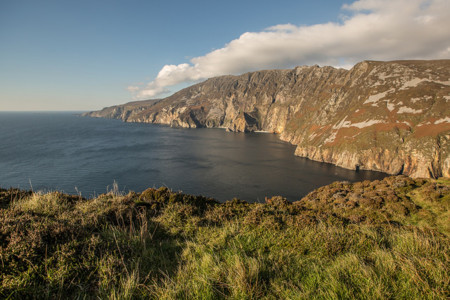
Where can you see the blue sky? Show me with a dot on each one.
(84, 55)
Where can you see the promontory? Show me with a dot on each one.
(392, 117)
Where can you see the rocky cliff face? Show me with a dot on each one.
(122, 112)
(392, 117)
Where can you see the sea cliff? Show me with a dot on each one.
(392, 117)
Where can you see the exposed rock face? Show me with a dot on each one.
(392, 117)
(122, 112)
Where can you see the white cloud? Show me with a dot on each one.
(371, 29)
(133, 88)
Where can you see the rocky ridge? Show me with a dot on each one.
(392, 117)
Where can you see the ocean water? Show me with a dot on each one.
(62, 151)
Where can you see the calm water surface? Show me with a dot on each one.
(62, 151)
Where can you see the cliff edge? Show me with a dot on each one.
(392, 117)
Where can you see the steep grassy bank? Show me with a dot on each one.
(382, 239)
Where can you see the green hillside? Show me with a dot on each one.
(385, 239)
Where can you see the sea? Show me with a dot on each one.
(63, 151)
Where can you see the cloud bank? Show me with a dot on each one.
(370, 29)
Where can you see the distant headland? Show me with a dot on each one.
(392, 117)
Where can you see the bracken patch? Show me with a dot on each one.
(380, 239)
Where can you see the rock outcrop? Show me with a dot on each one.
(392, 117)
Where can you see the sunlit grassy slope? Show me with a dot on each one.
(369, 240)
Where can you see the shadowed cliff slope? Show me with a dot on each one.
(392, 117)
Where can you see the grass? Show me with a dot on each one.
(386, 239)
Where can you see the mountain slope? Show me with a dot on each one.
(392, 117)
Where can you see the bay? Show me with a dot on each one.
(47, 151)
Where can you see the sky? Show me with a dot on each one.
(86, 55)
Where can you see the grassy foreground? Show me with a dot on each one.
(368, 240)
